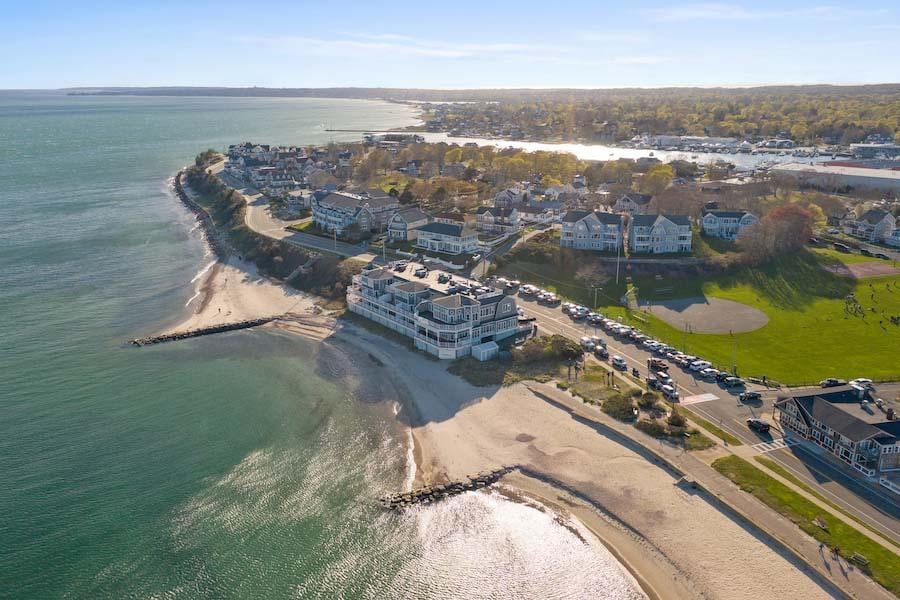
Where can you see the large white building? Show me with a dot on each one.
(726, 224)
(659, 234)
(445, 325)
(834, 177)
(874, 225)
(491, 219)
(447, 238)
(339, 210)
(590, 230)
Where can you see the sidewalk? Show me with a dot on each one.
(746, 509)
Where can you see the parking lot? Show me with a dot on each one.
(721, 406)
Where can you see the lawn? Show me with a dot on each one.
(809, 336)
(884, 565)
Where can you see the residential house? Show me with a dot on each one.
(497, 220)
(446, 326)
(404, 223)
(509, 197)
(659, 234)
(447, 238)
(412, 168)
(726, 224)
(874, 225)
(591, 230)
(336, 211)
(843, 421)
(633, 204)
(451, 218)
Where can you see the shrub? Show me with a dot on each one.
(651, 428)
(676, 420)
(648, 400)
(619, 407)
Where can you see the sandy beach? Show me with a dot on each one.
(235, 291)
(674, 542)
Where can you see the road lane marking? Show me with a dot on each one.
(778, 444)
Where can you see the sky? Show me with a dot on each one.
(449, 44)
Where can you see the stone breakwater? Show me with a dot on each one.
(433, 493)
(182, 335)
(216, 242)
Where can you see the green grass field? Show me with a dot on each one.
(809, 336)
(884, 565)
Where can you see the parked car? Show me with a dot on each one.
(663, 377)
(586, 343)
(421, 272)
(734, 382)
(863, 383)
(598, 341)
(882, 256)
(709, 373)
(669, 392)
(443, 278)
(758, 425)
(619, 362)
(601, 352)
(653, 383)
(657, 364)
(832, 382)
(865, 252)
(699, 365)
(841, 247)
(400, 267)
(750, 397)
(722, 376)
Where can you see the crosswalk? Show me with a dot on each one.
(778, 444)
(697, 399)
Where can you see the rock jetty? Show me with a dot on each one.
(182, 335)
(433, 493)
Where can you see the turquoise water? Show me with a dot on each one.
(237, 466)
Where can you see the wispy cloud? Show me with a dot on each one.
(352, 44)
(613, 37)
(717, 11)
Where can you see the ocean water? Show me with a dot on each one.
(237, 466)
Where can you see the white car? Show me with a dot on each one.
(863, 383)
(699, 365)
(619, 362)
(709, 373)
(669, 392)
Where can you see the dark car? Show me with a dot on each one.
(750, 397)
(758, 425)
(657, 364)
(601, 352)
(832, 382)
(865, 252)
(882, 256)
(653, 383)
(722, 376)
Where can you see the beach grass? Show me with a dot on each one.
(883, 565)
(777, 468)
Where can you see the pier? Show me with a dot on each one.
(433, 493)
(192, 333)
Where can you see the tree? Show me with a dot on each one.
(782, 230)
(656, 179)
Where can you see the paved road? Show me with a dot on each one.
(725, 410)
(260, 220)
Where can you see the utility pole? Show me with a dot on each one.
(733, 353)
(334, 234)
(618, 248)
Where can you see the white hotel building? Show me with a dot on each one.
(447, 326)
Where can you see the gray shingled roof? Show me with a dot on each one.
(726, 214)
(454, 301)
(873, 216)
(573, 216)
(443, 228)
(411, 213)
(649, 220)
